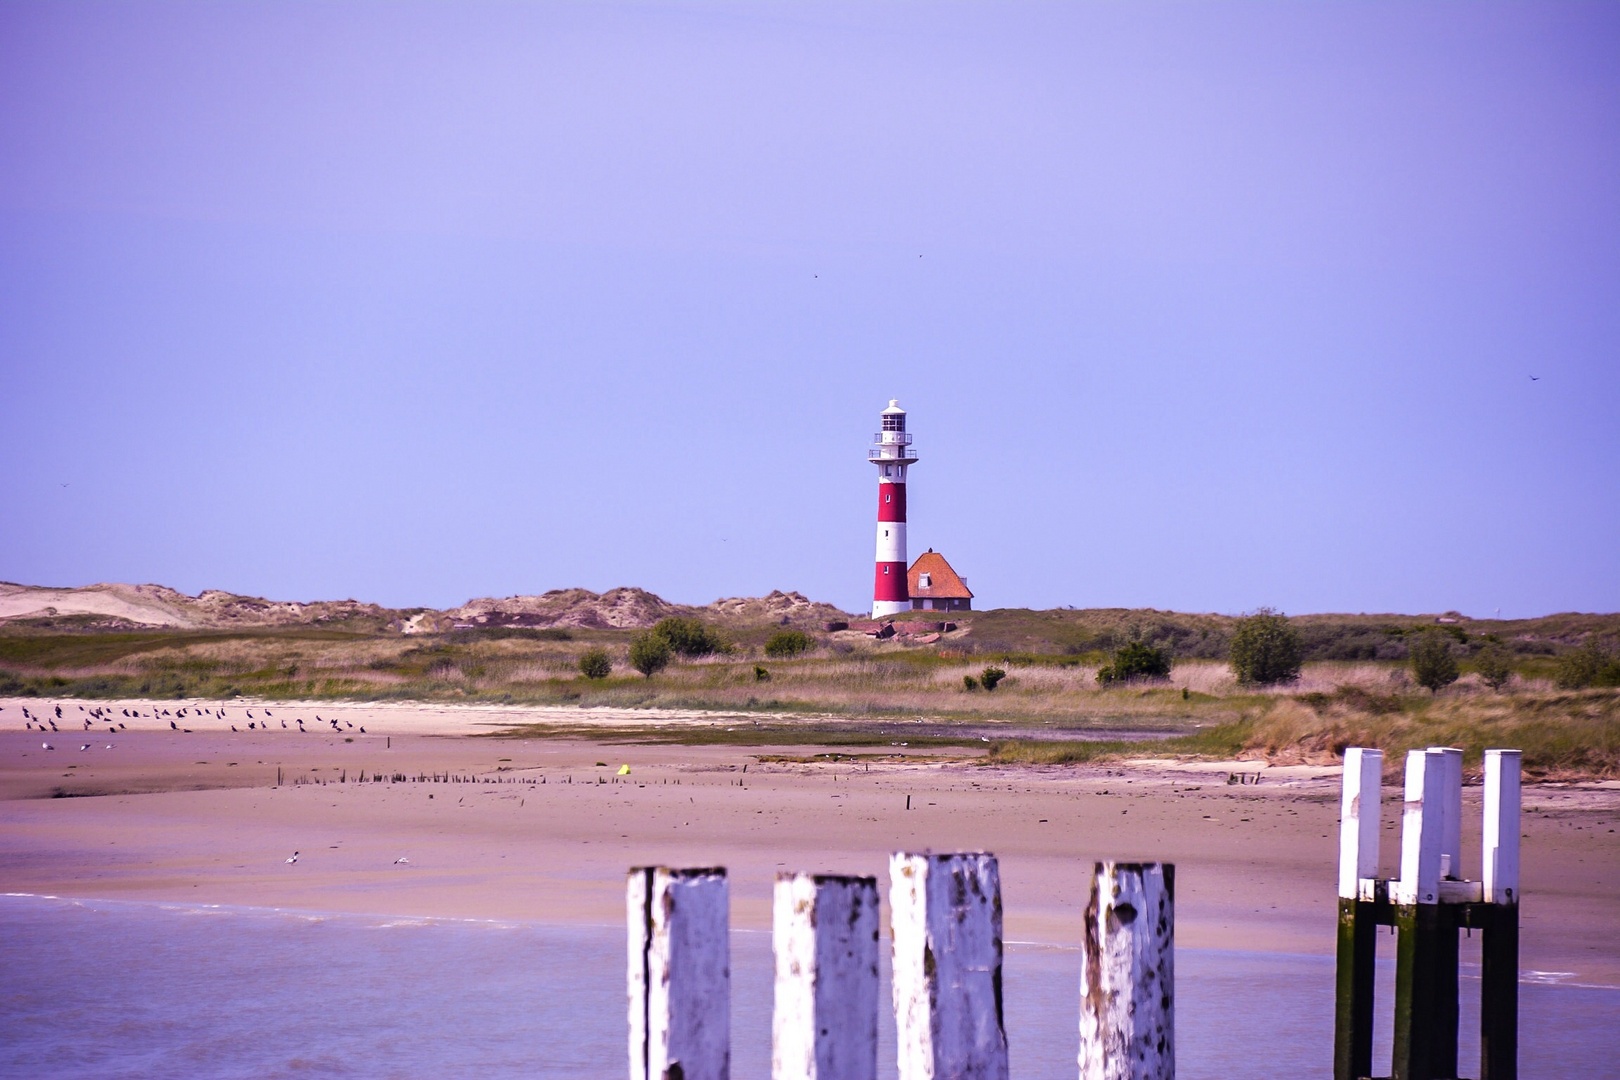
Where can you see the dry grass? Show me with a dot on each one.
(1051, 706)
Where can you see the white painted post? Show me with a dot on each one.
(679, 974)
(825, 935)
(1449, 761)
(1127, 974)
(1501, 870)
(1420, 830)
(945, 913)
(1358, 818)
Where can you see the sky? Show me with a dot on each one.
(1202, 307)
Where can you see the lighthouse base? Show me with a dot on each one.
(882, 609)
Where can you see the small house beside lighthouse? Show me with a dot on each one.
(892, 454)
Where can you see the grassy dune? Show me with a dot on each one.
(851, 691)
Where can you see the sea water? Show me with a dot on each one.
(112, 989)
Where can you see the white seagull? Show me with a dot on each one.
(294, 857)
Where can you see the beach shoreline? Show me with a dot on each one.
(543, 829)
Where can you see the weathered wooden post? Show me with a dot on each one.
(1499, 990)
(679, 974)
(946, 921)
(1127, 974)
(1425, 1012)
(825, 935)
(1358, 928)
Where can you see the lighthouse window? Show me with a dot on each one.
(888, 470)
(894, 423)
(885, 569)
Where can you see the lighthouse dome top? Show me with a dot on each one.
(894, 408)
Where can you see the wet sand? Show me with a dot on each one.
(199, 817)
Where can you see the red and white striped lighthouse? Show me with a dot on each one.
(891, 454)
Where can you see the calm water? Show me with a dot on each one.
(110, 989)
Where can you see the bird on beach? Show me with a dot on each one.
(362, 729)
(284, 723)
(401, 859)
(83, 748)
(294, 858)
(233, 727)
(47, 746)
(173, 726)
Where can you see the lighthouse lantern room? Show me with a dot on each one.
(892, 454)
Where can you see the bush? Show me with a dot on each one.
(789, 643)
(689, 637)
(595, 664)
(1495, 671)
(650, 652)
(1265, 649)
(990, 676)
(969, 683)
(1136, 661)
(1433, 666)
(1587, 666)
(760, 674)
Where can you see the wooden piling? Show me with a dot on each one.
(1358, 940)
(824, 933)
(679, 973)
(1499, 975)
(1127, 974)
(945, 913)
(1426, 952)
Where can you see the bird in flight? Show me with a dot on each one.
(294, 857)
(1535, 378)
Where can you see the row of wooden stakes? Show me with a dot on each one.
(945, 919)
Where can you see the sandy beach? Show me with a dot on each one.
(544, 829)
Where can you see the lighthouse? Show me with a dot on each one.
(891, 453)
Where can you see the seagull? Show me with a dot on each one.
(85, 747)
(1535, 378)
(294, 858)
(401, 859)
(47, 746)
(173, 726)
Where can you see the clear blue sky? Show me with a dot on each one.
(1197, 306)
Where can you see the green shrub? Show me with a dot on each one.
(689, 637)
(990, 676)
(1493, 666)
(650, 652)
(1433, 666)
(595, 664)
(760, 674)
(1136, 660)
(1265, 649)
(1587, 666)
(789, 643)
(969, 683)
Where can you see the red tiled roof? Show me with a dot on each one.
(943, 584)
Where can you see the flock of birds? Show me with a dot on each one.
(47, 722)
